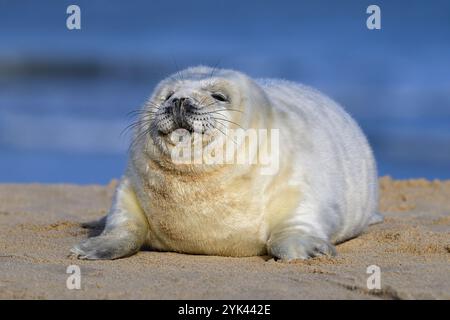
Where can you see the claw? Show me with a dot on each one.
(297, 246)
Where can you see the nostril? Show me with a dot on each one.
(180, 102)
(184, 103)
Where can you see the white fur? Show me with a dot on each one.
(334, 165)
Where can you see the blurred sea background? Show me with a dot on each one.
(65, 95)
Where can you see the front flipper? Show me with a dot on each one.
(125, 232)
(296, 245)
(107, 246)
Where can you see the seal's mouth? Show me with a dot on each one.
(182, 113)
(188, 129)
(186, 124)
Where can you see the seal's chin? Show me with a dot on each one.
(169, 139)
(178, 136)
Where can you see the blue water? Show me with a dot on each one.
(64, 95)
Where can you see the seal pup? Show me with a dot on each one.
(324, 191)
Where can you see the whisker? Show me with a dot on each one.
(178, 72)
(236, 110)
(140, 112)
(214, 69)
(154, 105)
(138, 137)
(222, 131)
(202, 101)
(143, 114)
(135, 124)
(237, 124)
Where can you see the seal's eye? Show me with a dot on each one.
(169, 95)
(219, 96)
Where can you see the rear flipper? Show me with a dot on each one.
(95, 224)
(291, 246)
(376, 218)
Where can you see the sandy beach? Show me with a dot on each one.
(40, 223)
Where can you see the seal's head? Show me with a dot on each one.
(199, 101)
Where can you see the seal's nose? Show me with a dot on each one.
(180, 105)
